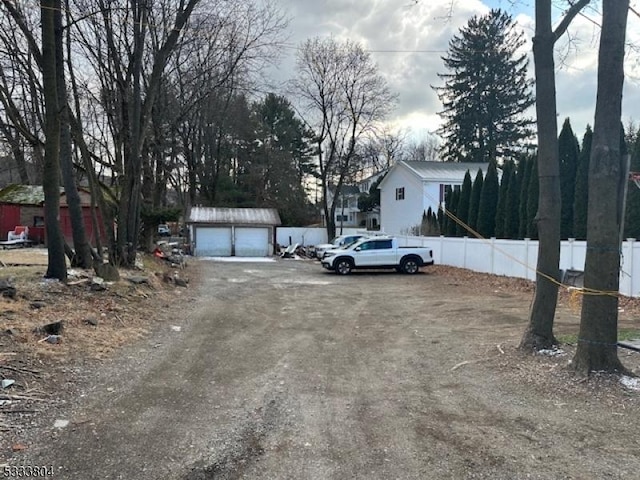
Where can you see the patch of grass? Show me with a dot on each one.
(623, 334)
(628, 334)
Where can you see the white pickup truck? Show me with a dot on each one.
(377, 252)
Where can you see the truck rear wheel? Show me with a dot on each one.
(343, 266)
(410, 265)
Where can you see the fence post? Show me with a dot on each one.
(464, 251)
(630, 246)
(571, 245)
(493, 255)
(526, 258)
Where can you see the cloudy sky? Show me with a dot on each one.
(407, 39)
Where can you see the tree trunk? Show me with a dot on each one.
(57, 267)
(82, 250)
(539, 333)
(597, 341)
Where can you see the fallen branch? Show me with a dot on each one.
(20, 370)
(467, 362)
(22, 397)
(119, 319)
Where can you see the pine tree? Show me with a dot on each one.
(448, 203)
(463, 205)
(453, 210)
(527, 166)
(501, 212)
(486, 91)
(532, 202)
(474, 203)
(632, 213)
(440, 219)
(512, 210)
(569, 153)
(581, 194)
(489, 203)
(429, 224)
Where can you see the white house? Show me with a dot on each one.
(411, 188)
(347, 212)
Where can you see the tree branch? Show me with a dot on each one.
(568, 18)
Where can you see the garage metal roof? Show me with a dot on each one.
(234, 216)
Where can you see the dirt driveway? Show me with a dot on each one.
(283, 371)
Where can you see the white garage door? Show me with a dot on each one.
(252, 241)
(213, 241)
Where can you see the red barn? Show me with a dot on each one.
(23, 205)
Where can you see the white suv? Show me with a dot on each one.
(341, 241)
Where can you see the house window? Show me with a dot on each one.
(342, 218)
(400, 193)
(38, 221)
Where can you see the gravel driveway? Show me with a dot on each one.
(284, 371)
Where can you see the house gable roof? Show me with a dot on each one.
(445, 170)
(438, 171)
(239, 216)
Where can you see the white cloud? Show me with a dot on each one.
(407, 41)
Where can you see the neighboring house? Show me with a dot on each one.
(233, 232)
(411, 188)
(347, 212)
(23, 205)
(370, 219)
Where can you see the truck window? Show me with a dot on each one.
(382, 244)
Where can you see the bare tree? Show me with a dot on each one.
(130, 63)
(344, 96)
(539, 332)
(424, 149)
(597, 342)
(21, 116)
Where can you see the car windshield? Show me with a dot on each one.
(350, 242)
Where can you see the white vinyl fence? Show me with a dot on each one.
(518, 258)
(511, 258)
(306, 236)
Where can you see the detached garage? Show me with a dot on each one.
(233, 232)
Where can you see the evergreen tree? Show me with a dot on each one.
(569, 152)
(474, 203)
(453, 210)
(489, 203)
(527, 166)
(486, 91)
(632, 213)
(429, 225)
(424, 224)
(512, 210)
(444, 209)
(440, 219)
(532, 202)
(501, 212)
(581, 195)
(272, 171)
(463, 205)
